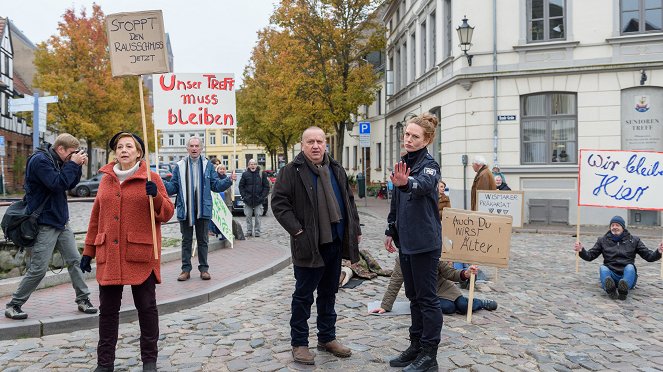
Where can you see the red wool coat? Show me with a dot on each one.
(119, 234)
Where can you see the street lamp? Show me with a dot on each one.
(465, 32)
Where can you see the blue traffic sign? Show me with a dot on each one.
(364, 127)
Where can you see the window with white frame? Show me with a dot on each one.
(224, 160)
(171, 140)
(397, 70)
(639, 16)
(549, 128)
(413, 58)
(447, 28)
(404, 65)
(432, 56)
(424, 57)
(182, 140)
(224, 139)
(546, 20)
(212, 138)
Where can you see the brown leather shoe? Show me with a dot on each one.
(205, 275)
(301, 354)
(185, 275)
(335, 348)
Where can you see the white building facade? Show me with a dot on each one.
(547, 78)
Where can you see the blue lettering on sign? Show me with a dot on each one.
(598, 161)
(611, 187)
(641, 168)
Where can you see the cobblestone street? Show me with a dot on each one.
(549, 318)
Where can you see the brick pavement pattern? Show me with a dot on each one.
(549, 319)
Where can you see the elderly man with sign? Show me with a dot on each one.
(618, 247)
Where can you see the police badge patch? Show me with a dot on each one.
(430, 171)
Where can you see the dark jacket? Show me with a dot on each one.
(254, 187)
(616, 255)
(414, 208)
(295, 207)
(503, 187)
(47, 175)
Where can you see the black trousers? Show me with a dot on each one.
(325, 281)
(420, 279)
(110, 299)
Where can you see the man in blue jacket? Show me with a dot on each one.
(49, 174)
(194, 179)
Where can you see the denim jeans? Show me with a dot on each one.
(630, 275)
(420, 280)
(110, 300)
(251, 213)
(49, 239)
(325, 280)
(459, 305)
(202, 236)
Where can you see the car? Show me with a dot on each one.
(165, 171)
(87, 187)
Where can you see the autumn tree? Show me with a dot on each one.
(272, 110)
(75, 66)
(333, 38)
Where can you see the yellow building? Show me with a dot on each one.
(219, 143)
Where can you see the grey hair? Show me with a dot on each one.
(195, 138)
(479, 160)
(252, 160)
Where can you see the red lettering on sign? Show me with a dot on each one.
(203, 117)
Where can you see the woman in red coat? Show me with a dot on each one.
(119, 236)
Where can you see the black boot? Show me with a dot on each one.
(408, 355)
(426, 360)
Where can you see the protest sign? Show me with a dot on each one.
(189, 101)
(502, 203)
(476, 237)
(137, 43)
(621, 179)
(222, 217)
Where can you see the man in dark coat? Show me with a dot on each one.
(482, 181)
(618, 247)
(254, 188)
(313, 202)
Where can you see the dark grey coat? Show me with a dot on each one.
(295, 207)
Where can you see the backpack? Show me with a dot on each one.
(19, 226)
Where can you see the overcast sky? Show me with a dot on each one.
(206, 35)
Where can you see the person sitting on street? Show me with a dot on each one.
(451, 299)
(618, 273)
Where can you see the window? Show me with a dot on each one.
(171, 140)
(545, 20)
(378, 150)
(355, 157)
(212, 138)
(7, 64)
(432, 56)
(397, 70)
(447, 28)
(424, 57)
(346, 157)
(182, 140)
(224, 139)
(379, 101)
(413, 57)
(641, 16)
(224, 160)
(404, 65)
(549, 128)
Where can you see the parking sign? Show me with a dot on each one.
(364, 134)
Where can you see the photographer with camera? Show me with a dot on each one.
(49, 174)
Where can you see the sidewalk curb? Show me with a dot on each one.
(63, 324)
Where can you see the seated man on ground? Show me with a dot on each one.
(451, 299)
(618, 273)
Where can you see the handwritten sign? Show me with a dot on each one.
(192, 101)
(222, 217)
(621, 179)
(137, 43)
(502, 203)
(476, 237)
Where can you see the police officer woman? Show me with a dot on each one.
(414, 227)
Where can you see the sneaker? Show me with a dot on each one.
(489, 305)
(85, 306)
(257, 235)
(611, 288)
(622, 289)
(15, 312)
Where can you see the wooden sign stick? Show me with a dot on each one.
(470, 299)
(147, 162)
